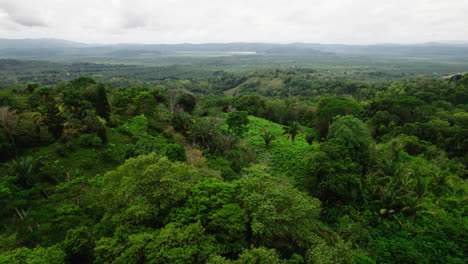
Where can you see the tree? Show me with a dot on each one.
(52, 255)
(310, 136)
(187, 102)
(323, 253)
(40, 119)
(102, 103)
(53, 118)
(280, 215)
(175, 152)
(279, 112)
(31, 87)
(145, 103)
(237, 122)
(203, 131)
(223, 143)
(9, 120)
(292, 130)
(214, 204)
(328, 108)
(352, 133)
(253, 104)
(333, 175)
(181, 244)
(253, 255)
(182, 121)
(23, 168)
(78, 243)
(82, 82)
(144, 189)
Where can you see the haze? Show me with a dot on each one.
(279, 21)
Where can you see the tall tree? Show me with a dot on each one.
(102, 103)
(187, 102)
(352, 133)
(144, 189)
(328, 108)
(237, 122)
(9, 120)
(280, 215)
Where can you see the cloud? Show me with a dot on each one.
(28, 21)
(133, 18)
(21, 14)
(283, 21)
(131, 22)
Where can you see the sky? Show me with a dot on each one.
(208, 21)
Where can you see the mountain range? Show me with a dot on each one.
(43, 48)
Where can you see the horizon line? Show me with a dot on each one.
(443, 42)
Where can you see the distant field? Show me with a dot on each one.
(149, 68)
(235, 62)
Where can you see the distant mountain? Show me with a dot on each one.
(413, 50)
(293, 50)
(454, 42)
(38, 43)
(43, 48)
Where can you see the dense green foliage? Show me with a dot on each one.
(265, 167)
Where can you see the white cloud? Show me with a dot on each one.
(284, 21)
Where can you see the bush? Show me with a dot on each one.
(224, 166)
(142, 146)
(116, 120)
(65, 149)
(89, 141)
(124, 130)
(113, 155)
(39, 254)
(175, 152)
(89, 163)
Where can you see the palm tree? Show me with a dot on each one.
(420, 187)
(310, 136)
(268, 137)
(40, 119)
(23, 167)
(71, 126)
(411, 205)
(292, 130)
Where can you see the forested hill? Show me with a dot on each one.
(11, 48)
(278, 166)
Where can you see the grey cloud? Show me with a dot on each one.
(131, 20)
(21, 15)
(28, 21)
(134, 22)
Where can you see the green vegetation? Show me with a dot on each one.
(150, 69)
(273, 166)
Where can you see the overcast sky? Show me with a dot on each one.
(201, 21)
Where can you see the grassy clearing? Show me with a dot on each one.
(285, 157)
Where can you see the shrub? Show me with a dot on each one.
(89, 141)
(175, 152)
(224, 166)
(113, 155)
(65, 149)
